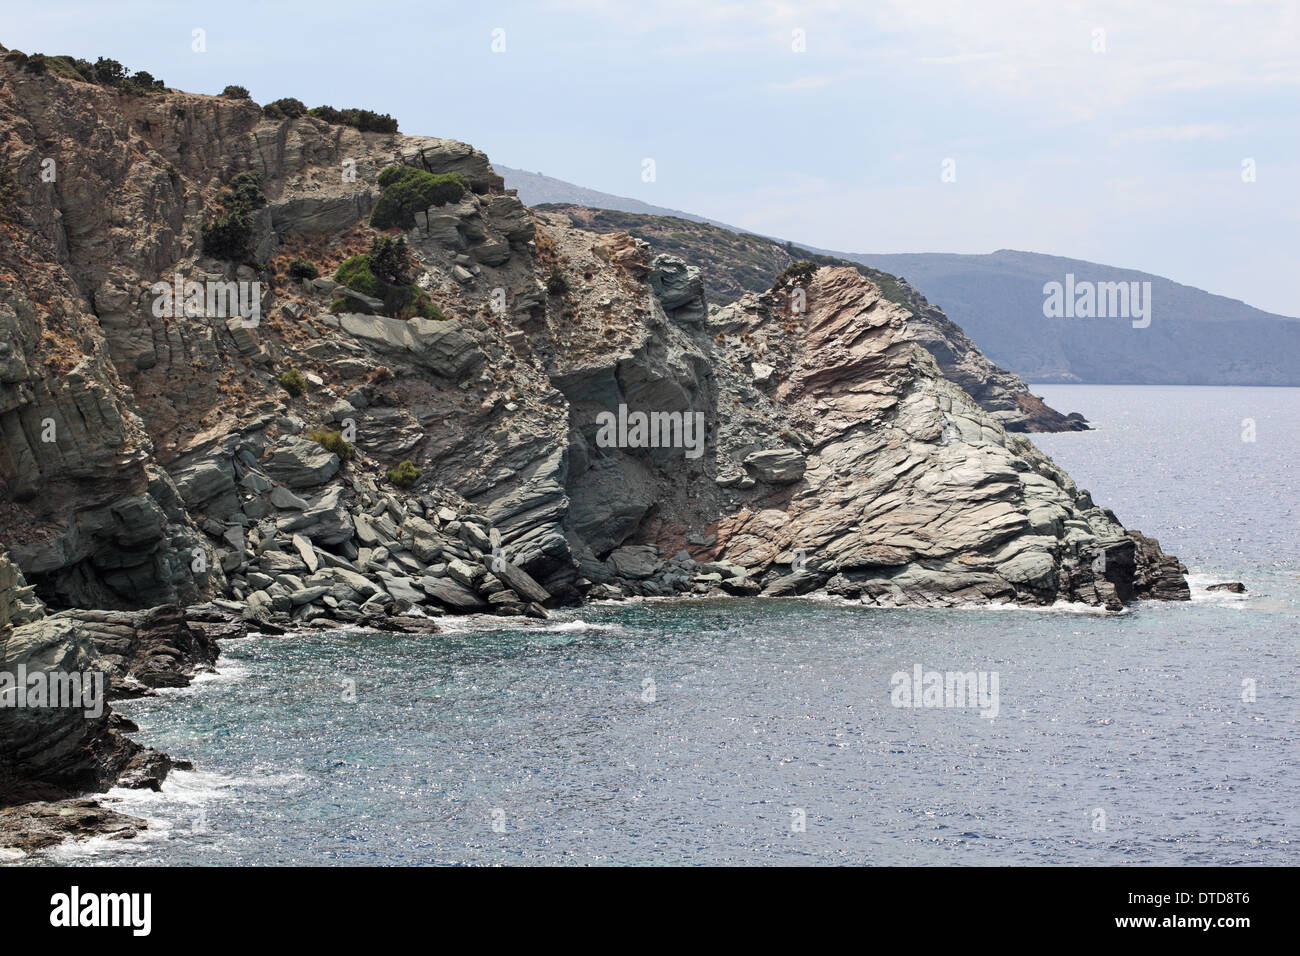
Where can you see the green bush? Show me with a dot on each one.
(407, 190)
(293, 382)
(332, 441)
(556, 284)
(229, 235)
(109, 72)
(339, 305)
(355, 273)
(404, 475)
(365, 121)
(35, 64)
(374, 273)
(286, 108)
(143, 82)
(301, 268)
(235, 92)
(390, 260)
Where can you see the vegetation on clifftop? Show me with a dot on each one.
(103, 72)
(407, 190)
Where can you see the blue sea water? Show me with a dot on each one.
(759, 731)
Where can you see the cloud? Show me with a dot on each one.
(802, 83)
(1184, 133)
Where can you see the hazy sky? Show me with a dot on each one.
(1124, 146)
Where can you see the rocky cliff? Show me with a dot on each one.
(728, 263)
(152, 457)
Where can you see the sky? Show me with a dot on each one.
(1118, 132)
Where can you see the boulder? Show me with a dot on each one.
(778, 466)
(300, 463)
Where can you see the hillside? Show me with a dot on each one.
(732, 263)
(1195, 337)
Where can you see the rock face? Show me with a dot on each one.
(54, 751)
(584, 420)
(733, 263)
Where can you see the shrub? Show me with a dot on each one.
(109, 72)
(377, 273)
(236, 92)
(404, 475)
(332, 441)
(229, 235)
(293, 382)
(365, 121)
(301, 268)
(556, 284)
(143, 82)
(35, 64)
(797, 273)
(355, 273)
(246, 191)
(339, 305)
(409, 190)
(390, 260)
(288, 107)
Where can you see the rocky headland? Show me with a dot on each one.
(409, 417)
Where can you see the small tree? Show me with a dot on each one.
(236, 92)
(390, 260)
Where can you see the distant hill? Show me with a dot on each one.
(1195, 337)
(536, 189)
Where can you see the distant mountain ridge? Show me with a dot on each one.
(1195, 337)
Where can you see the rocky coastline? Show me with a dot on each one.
(170, 480)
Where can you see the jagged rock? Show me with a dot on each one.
(1233, 587)
(635, 561)
(44, 823)
(778, 465)
(300, 463)
(53, 752)
(441, 346)
(283, 498)
(306, 552)
(361, 302)
(796, 582)
(519, 581)
(451, 594)
(325, 519)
